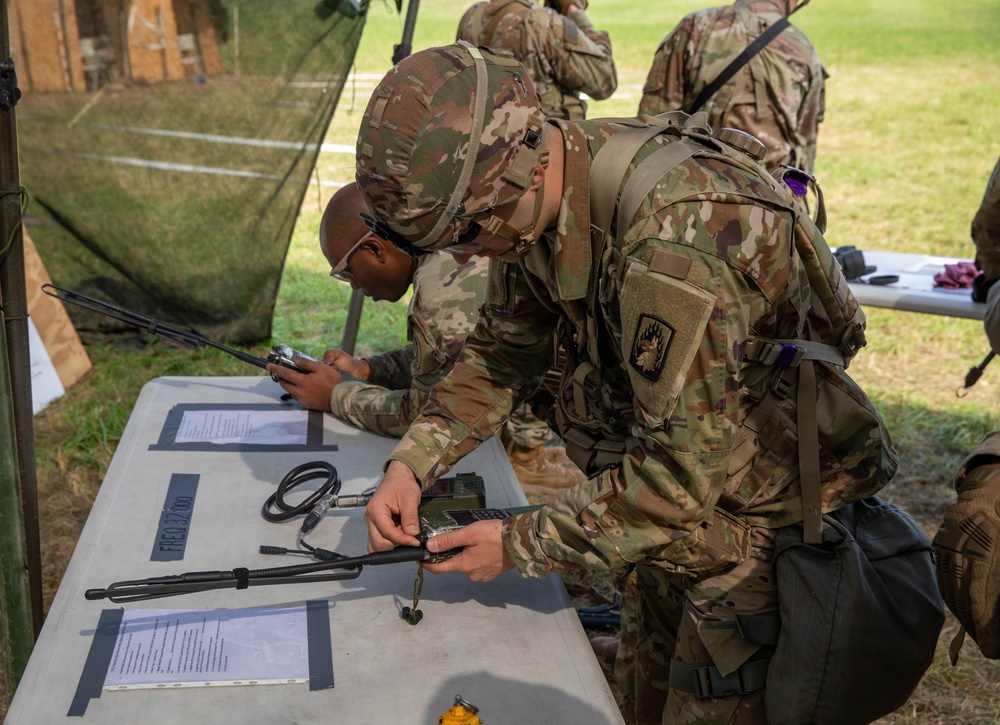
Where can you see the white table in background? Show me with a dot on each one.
(915, 290)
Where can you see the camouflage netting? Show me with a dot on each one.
(167, 145)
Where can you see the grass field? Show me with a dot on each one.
(911, 132)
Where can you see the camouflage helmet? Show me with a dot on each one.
(448, 135)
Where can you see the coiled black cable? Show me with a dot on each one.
(296, 477)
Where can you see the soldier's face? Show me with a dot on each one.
(373, 266)
(382, 273)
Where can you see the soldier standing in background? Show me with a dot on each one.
(986, 235)
(967, 546)
(562, 51)
(776, 96)
(683, 316)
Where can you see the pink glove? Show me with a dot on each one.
(956, 276)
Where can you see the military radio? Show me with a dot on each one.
(454, 503)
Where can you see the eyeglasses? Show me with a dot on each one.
(341, 271)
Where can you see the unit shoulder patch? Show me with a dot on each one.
(651, 342)
(663, 320)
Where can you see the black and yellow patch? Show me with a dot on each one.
(663, 321)
(650, 344)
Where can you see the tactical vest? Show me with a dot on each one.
(596, 422)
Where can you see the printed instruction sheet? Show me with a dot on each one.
(262, 427)
(167, 648)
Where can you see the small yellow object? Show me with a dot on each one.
(461, 713)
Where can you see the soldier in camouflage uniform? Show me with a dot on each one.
(670, 318)
(967, 546)
(563, 52)
(986, 235)
(392, 387)
(777, 96)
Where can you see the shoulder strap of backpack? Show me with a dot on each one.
(791, 355)
(492, 27)
(738, 62)
(609, 170)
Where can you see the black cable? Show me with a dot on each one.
(296, 477)
(241, 578)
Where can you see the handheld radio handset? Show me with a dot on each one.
(280, 354)
(456, 512)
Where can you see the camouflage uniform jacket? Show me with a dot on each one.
(563, 55)
(777, 96)
(986, 235)
(673, 502)
(443, 310)
(986, 228)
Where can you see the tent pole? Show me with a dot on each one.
(15, 311)
(16, 640)
(20, 568)
(405, 46)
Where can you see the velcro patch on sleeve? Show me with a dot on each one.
(663, 322)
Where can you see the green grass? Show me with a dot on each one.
(909, 139)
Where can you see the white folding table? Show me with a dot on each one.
(513, 647)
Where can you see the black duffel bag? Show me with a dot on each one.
(860, 617)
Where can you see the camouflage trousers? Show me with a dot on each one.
(666, 616)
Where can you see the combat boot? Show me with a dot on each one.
(546, 466)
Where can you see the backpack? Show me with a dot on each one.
(966, 550)
(859, 617)
(859, 610)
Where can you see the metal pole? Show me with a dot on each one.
(16, 639)
(405, 47)
(15, 320)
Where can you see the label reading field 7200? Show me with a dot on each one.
(175, 521)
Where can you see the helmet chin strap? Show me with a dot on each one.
(523, 239)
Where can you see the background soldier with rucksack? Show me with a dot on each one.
(967, 546)
(776, 94)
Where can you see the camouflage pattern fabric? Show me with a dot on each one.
(564, 55)
(444, 308)
(526, 430)
(986, 228)
(991, 317)
(664, 617)
(421, 183)
(672, 367)
(986, 235)
(777, 96)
